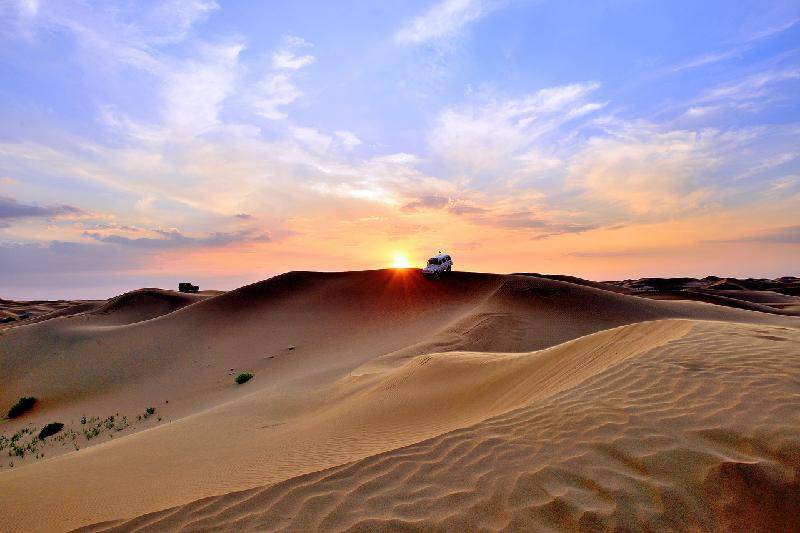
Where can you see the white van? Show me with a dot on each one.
(438, 265)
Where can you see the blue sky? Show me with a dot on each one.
(146, 142)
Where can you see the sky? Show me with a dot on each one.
(148, 143)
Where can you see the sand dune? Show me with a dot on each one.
(144, 304)
(41, 310)
(679, 437)
(383, 399)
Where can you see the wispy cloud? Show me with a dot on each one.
(773, 31)
(430, 201)
(285, 57)
(277, 88)
(498, 138)
(444, 19)
(173, 239)
(708, 59)
(348, 139)
(738, 50)
(12, 209)
(194, 92)
(783, 235)
(114, 36)
(749, 89)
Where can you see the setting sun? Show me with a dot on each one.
(400, 261)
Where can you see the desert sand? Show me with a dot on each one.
(383, 401)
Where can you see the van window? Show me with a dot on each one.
(433, 261)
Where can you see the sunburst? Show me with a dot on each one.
(400, 260)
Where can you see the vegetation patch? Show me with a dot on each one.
(50, 429)
(93, 426)
(244, 377)
(16, 445)
(22, 406)
(29, 442)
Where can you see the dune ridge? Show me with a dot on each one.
(144, 304)
(348, 366)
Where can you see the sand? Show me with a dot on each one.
(382, 400)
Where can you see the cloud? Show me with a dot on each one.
(463, 209)
(614, 253)
(783, 235)
(543, 226)
(524, 220)
(555, 229)
(748, 43)
(747, 92)
(171, 21)
(775, 30)
(638, 171)
(115, 35)
(347, 139)
(708, 59)
(195, 90)
(272, 93)
(277, 88)
(444, 19)
(12, 209)
(286, 58)
(174, 239)
(427, 202)
(313, 138)
(57, 257)
(191, 93)
(498, 138)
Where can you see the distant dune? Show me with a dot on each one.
(381, 400)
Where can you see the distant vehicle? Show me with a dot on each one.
(24, 316)
(187, 287)
(7, 319)
(438, 265)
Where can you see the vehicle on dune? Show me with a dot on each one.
(187, 287)
(438, 265)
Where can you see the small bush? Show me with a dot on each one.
(244, 377)
(24, 405)
(150, 410)
(50, 429)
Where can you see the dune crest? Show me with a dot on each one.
(144, 304)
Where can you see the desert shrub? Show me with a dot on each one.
(23, 405)
(244, 377)
(150, 410)
(50, 429)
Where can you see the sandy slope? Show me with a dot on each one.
(700, 433)
(355, 365)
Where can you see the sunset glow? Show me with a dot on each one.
(400, 261)
(226, 144)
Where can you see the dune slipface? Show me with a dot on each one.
(384, 401)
